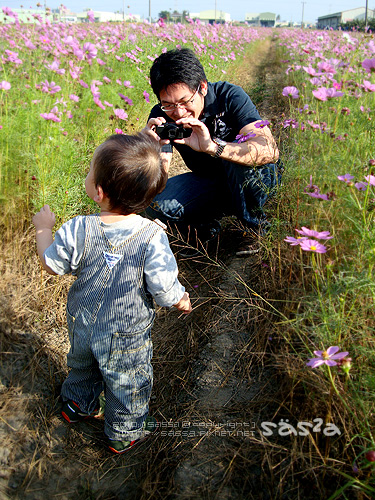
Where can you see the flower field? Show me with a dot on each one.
(65, 88)
(330, 127)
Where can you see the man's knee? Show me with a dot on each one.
(165, 210)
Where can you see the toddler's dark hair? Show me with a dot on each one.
(129, 170)
(176, 66)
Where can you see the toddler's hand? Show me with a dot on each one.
(184, 304)
(44, 219)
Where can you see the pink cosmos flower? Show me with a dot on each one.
(295, 241)
(321, 235)
(55, 66)
(8, 11)
(108, 104)
(311, 188)
(5, 85)
(310, 71)
(368, 86)
(98, 102)
(369, 65)
(127, 84)
(326, 67)
(78, 53)
(315, 81)
(95, 90)
(313, 246)
(126, 99)
(29, 44)
(290, 122)
(345, 178)
(91, 16)
(327, 357)
(319, 195)
(118, 131)
(292, 92)
(361, 186)
(106, 79)
(120, 113)
(261, 124)
(73, 97)
(50, 88)
(90, 50)
(323, 93)
(50, 116)
(243, 138)
(146, 95)
(60, 101)
(370, 179)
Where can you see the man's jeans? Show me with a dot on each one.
(189, 199)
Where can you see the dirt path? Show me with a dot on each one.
(226, 396)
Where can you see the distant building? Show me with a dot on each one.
(265, 19)
(334, 20)
(211, 16)
(103, 17)
(63, 15)
(30, 16)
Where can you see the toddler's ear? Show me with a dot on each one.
(98, 198)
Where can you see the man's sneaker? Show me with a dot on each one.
(200, 241)
(72, 412)
(121, 447)
(249, 245)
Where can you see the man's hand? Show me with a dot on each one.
(149, 129)
(258, 150)
(200, 139)
(166, 157)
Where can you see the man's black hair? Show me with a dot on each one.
(176, 66)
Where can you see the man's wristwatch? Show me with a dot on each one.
(221, 145)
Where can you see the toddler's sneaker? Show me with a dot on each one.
(120, 447)
(72, 412)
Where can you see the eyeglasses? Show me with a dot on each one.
(183, 104)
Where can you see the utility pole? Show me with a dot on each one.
(303, 8)
(366, 27)
(149, 10)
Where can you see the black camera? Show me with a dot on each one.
(172, 131)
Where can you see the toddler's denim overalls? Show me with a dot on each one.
(110, 315)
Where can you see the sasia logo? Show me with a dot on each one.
(303, 428)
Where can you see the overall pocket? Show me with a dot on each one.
(130, 350)
(142, 387)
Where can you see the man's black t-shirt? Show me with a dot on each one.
(227, 109)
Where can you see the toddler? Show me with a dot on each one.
(122, 262)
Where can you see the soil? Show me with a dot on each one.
(209, 389)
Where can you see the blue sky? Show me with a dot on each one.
(290, 10)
